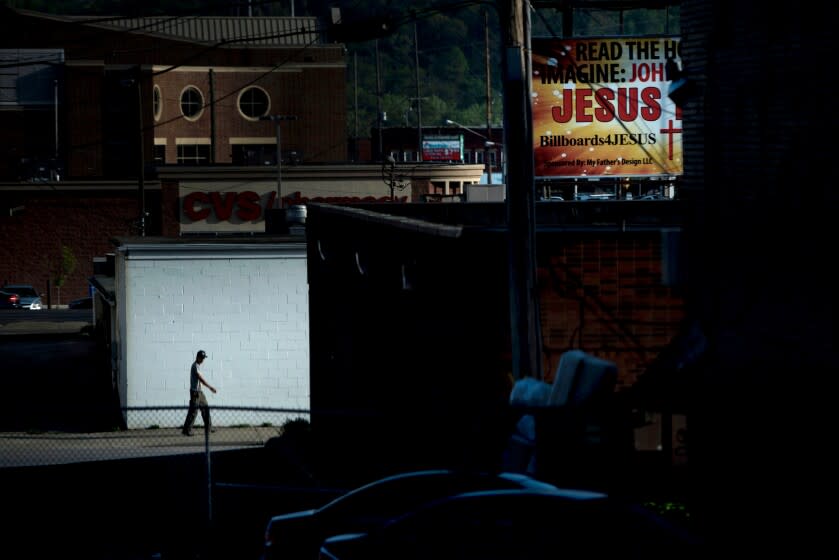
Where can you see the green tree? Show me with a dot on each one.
(474, 116)
(66, 267)
(434, 111)
(395, 106)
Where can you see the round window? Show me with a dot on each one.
(192, 102)
(157, 102)
(254, 102)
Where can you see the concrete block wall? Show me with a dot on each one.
(249, 314)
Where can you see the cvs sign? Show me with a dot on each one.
(245, 206)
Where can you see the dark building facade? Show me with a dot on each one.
(91, 108)
(759, 289)
(92, 98)
(411, 338)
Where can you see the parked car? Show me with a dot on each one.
(298, 535)
(8, 300)
(29, 296)
(81, 303)
(517, 525)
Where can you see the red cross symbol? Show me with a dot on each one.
(670, 131)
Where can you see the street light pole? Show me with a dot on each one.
(487, 145)
(277, 119)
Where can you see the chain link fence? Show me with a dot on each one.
(160, 435)
(152, 492)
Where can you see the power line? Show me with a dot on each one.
(597, 93)
(234, 91)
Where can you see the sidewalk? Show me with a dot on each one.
(20, 449)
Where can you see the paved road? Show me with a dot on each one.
(45, 321)
(54, 376)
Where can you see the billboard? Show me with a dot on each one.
(442, 148)
(600, 107)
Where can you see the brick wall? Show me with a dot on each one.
(81, 111)
(84, 222)
(603, 293)
(319, 134)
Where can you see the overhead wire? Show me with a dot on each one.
(409, 16)
(423, 13)
(232, 92)
(601, 86)
(99, 20)
(219, 44)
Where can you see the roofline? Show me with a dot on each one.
(157, 248)
(254, 28)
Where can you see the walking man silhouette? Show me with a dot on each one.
(197, 400)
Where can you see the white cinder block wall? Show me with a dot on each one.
(245, 305)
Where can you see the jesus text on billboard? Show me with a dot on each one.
(600, 107)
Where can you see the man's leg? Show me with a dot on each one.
(190, 415)
(205, 413)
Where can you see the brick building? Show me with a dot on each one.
(84, 101)
(90, 98)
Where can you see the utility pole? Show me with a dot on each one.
(211, 80)
(487, 163)
(355, 105)
(379, 116)
(54, 167)
(142, 176)
(277, 119)
(419, 100)
(521, 208)
(141, 168)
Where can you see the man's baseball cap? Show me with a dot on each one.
(201, 354)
